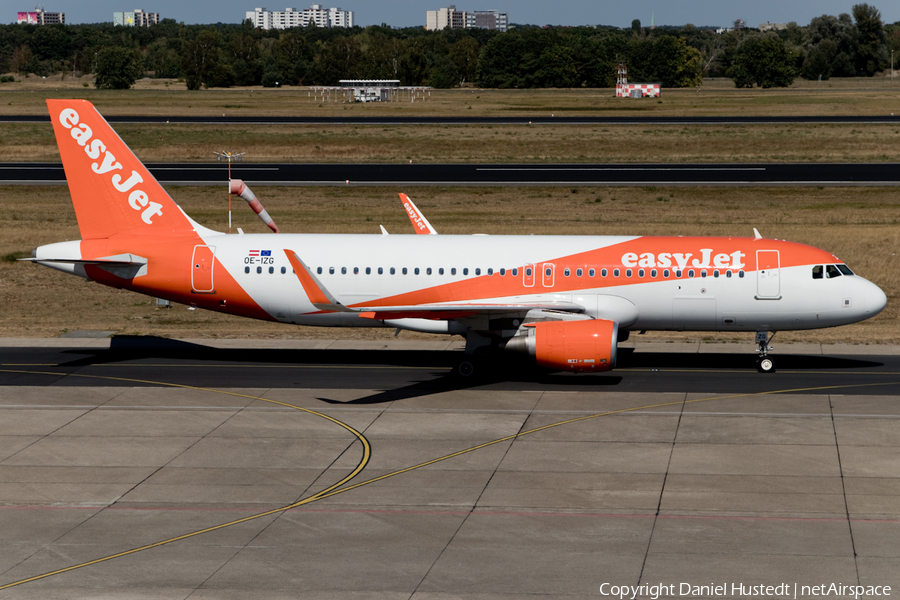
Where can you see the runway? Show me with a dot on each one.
(491, 174)
(321, 469)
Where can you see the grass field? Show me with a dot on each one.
(860, 225)
(854, 96)
(484, 144)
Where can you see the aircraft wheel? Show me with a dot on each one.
(465, 369)
(765, 365)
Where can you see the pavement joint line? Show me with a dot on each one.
(445, 411)
(477, 511)
(337, 487)
(837, 448)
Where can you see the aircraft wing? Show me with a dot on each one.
(420, 223)
(324, 300)
(442, 312)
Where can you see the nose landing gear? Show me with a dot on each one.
(764, 364)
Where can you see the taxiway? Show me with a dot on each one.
(339, 470)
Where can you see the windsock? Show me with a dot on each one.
(239, 188)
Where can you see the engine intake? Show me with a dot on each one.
(584, 346)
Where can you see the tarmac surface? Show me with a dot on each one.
(145, 468)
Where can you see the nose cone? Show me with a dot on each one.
(876, 299)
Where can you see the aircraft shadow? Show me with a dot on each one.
(673, 360)
(438, 367)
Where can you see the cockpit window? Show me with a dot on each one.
(818, 272)
(844, 269)
(832, 271)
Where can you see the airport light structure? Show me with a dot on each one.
(230, 156)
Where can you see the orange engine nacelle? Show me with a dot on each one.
(587, 346)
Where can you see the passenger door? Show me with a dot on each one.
(202, 264)
(768, 280)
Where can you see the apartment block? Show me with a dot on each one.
(135, 18)
(452, 18)
(40, 17)
(291, 17)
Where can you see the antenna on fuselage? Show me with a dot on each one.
(756, 234)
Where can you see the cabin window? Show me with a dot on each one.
(727, 274)
(831, 271)
(591, 272)
(502, 271)
(393, 270)
(603, 272)
(465, 270)
(381, 270)
(441, 271)
(579, 272)
(453, 271)
(641, 273)
(416, 270)
(490, 271)
(428, 271)
(678, 273)
(615, 272)
(283, 270)
(368, 270)
(356, 270)
(515, 272)
(566, 272)
(666, 273)
(404, 271)
(628, 272)
(478, 270)
(319, 270)
(246, 269)
(691, 273)
(653, 273)
(258, 270)
(548, 271)
(331, 270)
(715, 273)
(271, 270)
(343, 270)
(741, 274)
(528, 272)
(703, 273)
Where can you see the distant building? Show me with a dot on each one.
(772, 26)
(136, 18)
(291, 17)
(450, 18)
(739, 24)
(486, 19)
(39, 17)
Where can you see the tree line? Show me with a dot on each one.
(223, 55)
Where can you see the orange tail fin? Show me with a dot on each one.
(112, 191)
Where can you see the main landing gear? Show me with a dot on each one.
(764, 364)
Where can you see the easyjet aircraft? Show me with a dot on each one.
(565, 300)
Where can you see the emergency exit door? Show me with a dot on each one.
(547, 274)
